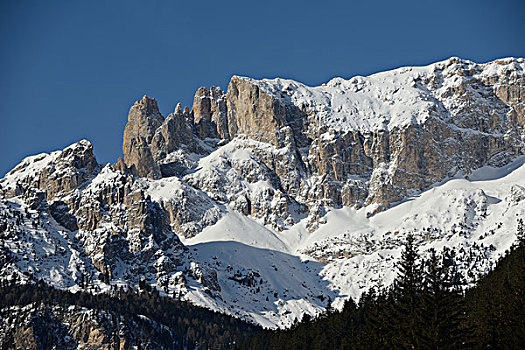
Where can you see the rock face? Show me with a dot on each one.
(175, 133)
(143, 119)
(367, 140)
(255, 112)
(54, 174)
(244, 177)
(210, 114)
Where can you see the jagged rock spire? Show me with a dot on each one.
(144, 119)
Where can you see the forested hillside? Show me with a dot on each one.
(426, 308)
(41, 317)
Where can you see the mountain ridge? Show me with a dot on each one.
(328, 207)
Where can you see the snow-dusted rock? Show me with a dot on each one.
(270, 199)
(366, 140)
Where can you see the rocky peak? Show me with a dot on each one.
(178, 109)
(361, 141)
(254, 112)
(210, 113)
(144, 119)
(53, 174)
(175, 133)
(145, 108)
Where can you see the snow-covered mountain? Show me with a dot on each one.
(275, 198)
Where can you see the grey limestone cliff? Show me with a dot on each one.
(465, 116)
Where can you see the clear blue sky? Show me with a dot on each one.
(71, 69)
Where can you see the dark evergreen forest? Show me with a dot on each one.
(427, 307)
(190, 327)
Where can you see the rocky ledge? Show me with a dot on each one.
(363, 141)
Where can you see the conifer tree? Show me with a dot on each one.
(442, 306)
(407, 298)
(520, 234)
(377, 326)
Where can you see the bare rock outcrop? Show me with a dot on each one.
(364, 141)
(144, 119)
(210, 113)
(175, 133)
(254, 112)
(37, 326)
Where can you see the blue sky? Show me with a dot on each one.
(71, 69)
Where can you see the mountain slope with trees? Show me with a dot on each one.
(37, 316)
(425, 308)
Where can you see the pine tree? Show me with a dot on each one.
(520, 234)
(442, 306)
(377, 328)
(407, 288)
(329, 308)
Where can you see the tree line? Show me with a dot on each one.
(190, 327)
(427, 307)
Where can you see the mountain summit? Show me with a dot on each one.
(272, 198)
(358, 142)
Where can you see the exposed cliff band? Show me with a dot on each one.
(367, 140)
(279, 152)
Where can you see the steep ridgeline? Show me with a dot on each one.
(75, 224)
(364, 141)
(270, 199)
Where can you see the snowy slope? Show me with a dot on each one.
(385, 100)
(243, 267)
(353, 252)
(257, 229)
(40, 247)
(477, 218)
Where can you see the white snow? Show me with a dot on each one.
(236, 227)
(165, 189)
(459, 213)
(386, 100)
